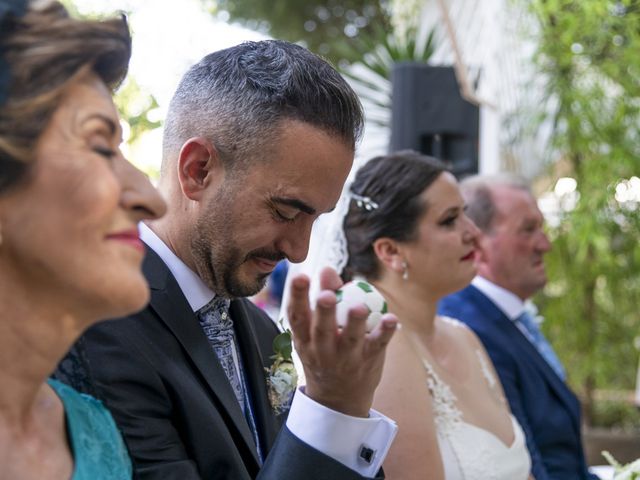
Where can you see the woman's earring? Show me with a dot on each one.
(405, 271)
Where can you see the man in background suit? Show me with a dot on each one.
(258, 142)
(510, 261)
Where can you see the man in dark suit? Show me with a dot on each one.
(258, 142)
(510, 261)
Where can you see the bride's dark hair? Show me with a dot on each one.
(392, 185)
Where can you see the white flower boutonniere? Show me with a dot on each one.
(631, 471)
(282, 378)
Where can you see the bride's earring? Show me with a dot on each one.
(405, 271)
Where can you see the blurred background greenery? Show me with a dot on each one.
(587, 54)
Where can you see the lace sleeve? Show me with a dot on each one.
(74, 370)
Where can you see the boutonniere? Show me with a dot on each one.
(282, 378)
(630, 471)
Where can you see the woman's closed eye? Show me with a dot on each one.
(102, 143)
(449, 220)
(106, 152)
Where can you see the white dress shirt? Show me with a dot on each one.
(510, 304)
(339, 436)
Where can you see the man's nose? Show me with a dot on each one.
(544, 244)
(294, 242)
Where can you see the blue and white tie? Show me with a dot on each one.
(217, 326)
(542, 345)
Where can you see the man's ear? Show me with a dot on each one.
(390, 254)
(198, 166)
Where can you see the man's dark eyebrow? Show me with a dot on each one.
(295, 203)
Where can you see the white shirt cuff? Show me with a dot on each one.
(359, 443)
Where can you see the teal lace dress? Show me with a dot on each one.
(98, 450)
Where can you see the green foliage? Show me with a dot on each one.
(383, 48)
(325, 27)
(610, 414)
(371, 75)
(356, 35)
(134, 106)
(588, 53)
(282, 346)
(132, 102)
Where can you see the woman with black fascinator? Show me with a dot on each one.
(70, 254)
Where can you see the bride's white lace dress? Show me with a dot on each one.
(470, 452)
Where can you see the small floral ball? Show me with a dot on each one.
(357, 293)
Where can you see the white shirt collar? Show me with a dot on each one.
(197, 293)
(510, 304)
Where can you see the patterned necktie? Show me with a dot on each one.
(218, 327)
(542, 345)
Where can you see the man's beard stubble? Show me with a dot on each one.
(217, 261)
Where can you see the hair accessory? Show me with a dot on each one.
(9, 9)
(405, 271)
(364, 202)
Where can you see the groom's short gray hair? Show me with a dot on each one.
(238, 97)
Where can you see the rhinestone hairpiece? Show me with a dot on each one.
(364, 202)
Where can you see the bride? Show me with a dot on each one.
(407, 233)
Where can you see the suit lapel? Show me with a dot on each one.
(168, 301)
(255, 365)
(508, 328)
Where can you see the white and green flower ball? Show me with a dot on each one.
(360, 292)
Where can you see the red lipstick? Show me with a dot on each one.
(468, 256)
(129, 237)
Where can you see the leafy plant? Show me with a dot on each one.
(324, 26)
(380, 51)
(358, 36)
(587, 52)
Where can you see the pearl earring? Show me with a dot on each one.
(405, 271)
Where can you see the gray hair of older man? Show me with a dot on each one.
(477, 192)
(238, 97)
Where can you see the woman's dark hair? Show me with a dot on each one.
(43, 52)
(394, 183)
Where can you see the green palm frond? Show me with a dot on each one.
(379, 51)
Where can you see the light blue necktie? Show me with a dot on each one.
(217, 325)
(542, 345)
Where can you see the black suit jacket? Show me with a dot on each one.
(162, 381)
(545, 407)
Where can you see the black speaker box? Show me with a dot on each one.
(429, 115)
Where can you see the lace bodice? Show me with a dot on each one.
(470, 452)
(446, 413)
(97, 446)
